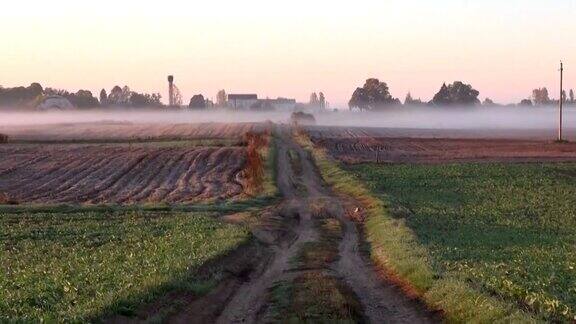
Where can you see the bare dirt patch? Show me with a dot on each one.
(125, 131)
(444, 150)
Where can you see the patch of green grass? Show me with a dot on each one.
(82, 266)
(219, 206)
(507, 228)
(394, 247)
(270, 156)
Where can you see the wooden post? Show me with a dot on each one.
(560, 103)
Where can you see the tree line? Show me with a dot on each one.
(34, 94)
(375, 95)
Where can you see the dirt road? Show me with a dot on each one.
(284, 233)
(302, 189)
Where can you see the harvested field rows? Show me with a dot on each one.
(316, 132)
(431, 150)
(115, 131)
(124, 174)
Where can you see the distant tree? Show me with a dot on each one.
(197, 102)
(373, 95)
(488, 102)
(314, 101)
(115, 96)
(221, 98)
(56, 92)
(410, 101)
(34, 90)
(563, 95)
(125, 96)
(526, 103)
(103, 98)
(571, 95)
(83, 99)
(21, 95)
(80, 99)
(145, 100)
(540, 96)
(322, 100)
(456, 94)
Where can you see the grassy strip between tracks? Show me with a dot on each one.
(395, 248)
(315, 295)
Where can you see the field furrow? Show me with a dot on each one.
(120, 173)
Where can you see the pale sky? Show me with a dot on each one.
(290, 48)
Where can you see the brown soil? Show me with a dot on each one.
(115, 131)
(534, 134)
(123, 174)
(444, 150)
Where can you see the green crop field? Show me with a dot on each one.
(508, 229)
(84, 265)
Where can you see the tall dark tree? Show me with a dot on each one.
(20, 95)
(115, 96)
(373, 95)
(314, 101)
(83, 99)
(540, 96)
(221, 98)
(321, 100)
(456, 94)
(103, 98)
(197, 102)
(144, 100)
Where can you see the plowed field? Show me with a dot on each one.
(109, 173)
(356, 145)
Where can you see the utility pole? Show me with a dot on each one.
(560, 102)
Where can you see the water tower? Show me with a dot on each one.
(171, 100)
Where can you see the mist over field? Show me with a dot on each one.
(416, 118)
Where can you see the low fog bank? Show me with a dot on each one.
(454, 118)
(422, 117)
(136, 117)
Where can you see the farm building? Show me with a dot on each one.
(241, 101)
(251, 101)
(283, 103)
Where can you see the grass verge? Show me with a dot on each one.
(506, 228)
(395, 248)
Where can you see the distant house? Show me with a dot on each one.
(251, 101)
(283, 103)
(241, 101)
